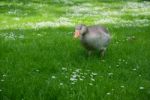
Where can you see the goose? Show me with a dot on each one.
(93, 37)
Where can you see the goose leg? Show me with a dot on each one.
(89, 53)
(102, 52)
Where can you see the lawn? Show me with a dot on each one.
(40, 59)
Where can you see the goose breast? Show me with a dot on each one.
(95, 38)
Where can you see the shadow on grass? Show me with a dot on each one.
(53, 47)
(35, 58)
(56, 46)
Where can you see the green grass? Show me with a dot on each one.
(39, 58)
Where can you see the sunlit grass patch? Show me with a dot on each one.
(49, 15)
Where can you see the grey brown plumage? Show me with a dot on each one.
(93, 37)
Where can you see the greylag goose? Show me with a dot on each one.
(93, 37)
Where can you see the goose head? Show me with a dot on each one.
(80, 30)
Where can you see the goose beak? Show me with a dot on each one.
(76, 34)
